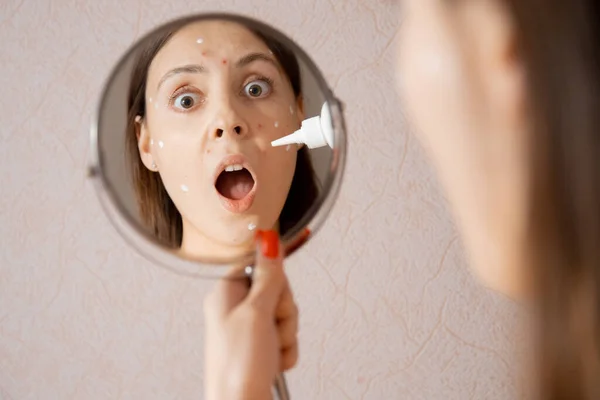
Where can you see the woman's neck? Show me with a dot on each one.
(196, 245)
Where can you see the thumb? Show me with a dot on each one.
(268, 280)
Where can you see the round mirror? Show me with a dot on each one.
(209, 129)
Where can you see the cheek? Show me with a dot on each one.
(178, 138)
(278, 159)
(269, 128)
(283, 166)
(171, 162)
(180, 166)
(274, 117)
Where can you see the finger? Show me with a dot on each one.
(286, 307)
(287, 318)
(287, 331)
(289, 358)
(225, 296)
(268, 279)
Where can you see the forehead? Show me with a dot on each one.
(191, 43)
(222, 33)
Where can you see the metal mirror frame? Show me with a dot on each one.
(166, 257)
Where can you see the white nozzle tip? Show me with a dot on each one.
(294, 138)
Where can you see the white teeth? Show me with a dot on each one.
(234, 167)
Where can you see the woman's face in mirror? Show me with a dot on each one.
(216, 97)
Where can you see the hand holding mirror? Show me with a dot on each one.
(187, 152)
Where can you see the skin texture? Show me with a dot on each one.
(218, 106)
(463, 89)
(251, 334)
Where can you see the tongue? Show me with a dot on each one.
(235, 185)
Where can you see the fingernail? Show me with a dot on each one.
(269, 243)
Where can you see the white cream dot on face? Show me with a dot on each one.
(276, 124)
(150, 100)
(200, 41)
(248, 270)
(161, 144)
(185, 189)
(151, 142)
(291, 110)
(156, 105)
(288, 147)
(251, 226)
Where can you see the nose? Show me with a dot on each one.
(227, 124)
(219, 132)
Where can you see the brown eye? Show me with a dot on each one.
(186, 101)
(257, 89)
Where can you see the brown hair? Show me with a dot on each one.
(558, 41)
(157, 210)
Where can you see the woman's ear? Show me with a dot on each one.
(144, 143)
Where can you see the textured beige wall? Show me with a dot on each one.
(395, 315)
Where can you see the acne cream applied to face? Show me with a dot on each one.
(315, 132)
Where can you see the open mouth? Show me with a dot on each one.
(235, 184)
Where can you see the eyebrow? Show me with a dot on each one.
(190, 69)
(250, 58)
(197, 69)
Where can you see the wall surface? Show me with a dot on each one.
(388, 308)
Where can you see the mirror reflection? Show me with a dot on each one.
(211, 131)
